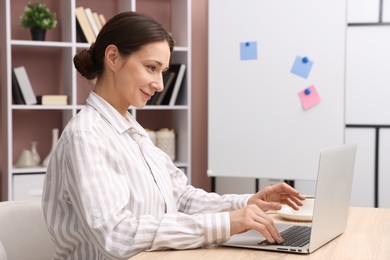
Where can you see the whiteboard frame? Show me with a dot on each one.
(256, 124)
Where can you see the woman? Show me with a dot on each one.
(109, 193)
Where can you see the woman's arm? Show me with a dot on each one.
(99, 191)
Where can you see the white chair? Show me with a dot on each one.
(23, 231)
(3, 255)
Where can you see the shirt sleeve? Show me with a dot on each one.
(193, 201)
(210, 210)
(100, 201)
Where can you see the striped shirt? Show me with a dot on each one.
(109, 193)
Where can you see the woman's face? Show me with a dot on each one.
(140, 75)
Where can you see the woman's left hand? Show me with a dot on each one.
(272, 197)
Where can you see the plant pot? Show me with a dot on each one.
(38, 34)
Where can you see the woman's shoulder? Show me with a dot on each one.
(86, 120)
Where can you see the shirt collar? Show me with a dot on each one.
(114, 117)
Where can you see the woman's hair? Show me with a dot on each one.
(128, 31)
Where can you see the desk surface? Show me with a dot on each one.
(367, 236)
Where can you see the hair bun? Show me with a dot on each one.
(84, 63)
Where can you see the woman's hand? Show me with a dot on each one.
(252, 217)
(272, 197)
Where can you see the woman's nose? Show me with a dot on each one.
(159, 84)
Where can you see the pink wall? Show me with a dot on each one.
(199, 94)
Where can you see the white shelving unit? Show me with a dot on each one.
(51, 71)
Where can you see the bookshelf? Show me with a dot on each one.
(51, 72)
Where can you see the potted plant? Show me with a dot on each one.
(39, 18)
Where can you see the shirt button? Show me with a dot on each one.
(133, 130)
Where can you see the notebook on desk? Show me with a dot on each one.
(331, 206)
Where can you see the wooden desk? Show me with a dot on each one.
(367, 237)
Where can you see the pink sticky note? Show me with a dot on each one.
(309, 97)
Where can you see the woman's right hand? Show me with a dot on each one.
(252, 217)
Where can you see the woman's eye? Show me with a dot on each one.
(152, 68)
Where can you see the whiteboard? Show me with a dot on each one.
(257, 126)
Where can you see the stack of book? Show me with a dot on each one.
(23, 93)
(172, 79)
(89, 24)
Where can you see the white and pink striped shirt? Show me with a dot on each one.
(109, 193)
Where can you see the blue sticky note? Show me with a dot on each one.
(302, 66)
(248, 50)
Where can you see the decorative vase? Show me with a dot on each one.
(35, 154)
(26, 159)
(38, 34)
(54, 141)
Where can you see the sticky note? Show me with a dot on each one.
(302, 66)
(248, 50)
(309, 97)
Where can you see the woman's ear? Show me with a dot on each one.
(112, 57)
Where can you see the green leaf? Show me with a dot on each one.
(38, 15)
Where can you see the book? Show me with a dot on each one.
(153, 99)
(80, 33)
(171, 96)
(168, 83)
(102, 19)
(97, 20)
(16, 91)
(85, 26)
(92, 22)
(52, 99)
(177, 86)
(25, 85)
(168, 78)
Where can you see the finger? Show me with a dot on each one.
(275, 233)
(296, 197)
(293, 203)
(267, 228)
(265, 205)
(298, 201)
(292, 200)
(271, 206)
(279, 238)
(262, 229)
(258, 223)
(269, 231)
(291, 191)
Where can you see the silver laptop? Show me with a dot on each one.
(331, 206)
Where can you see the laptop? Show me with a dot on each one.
(331, 207)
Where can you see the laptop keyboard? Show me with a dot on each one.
(294, 236)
